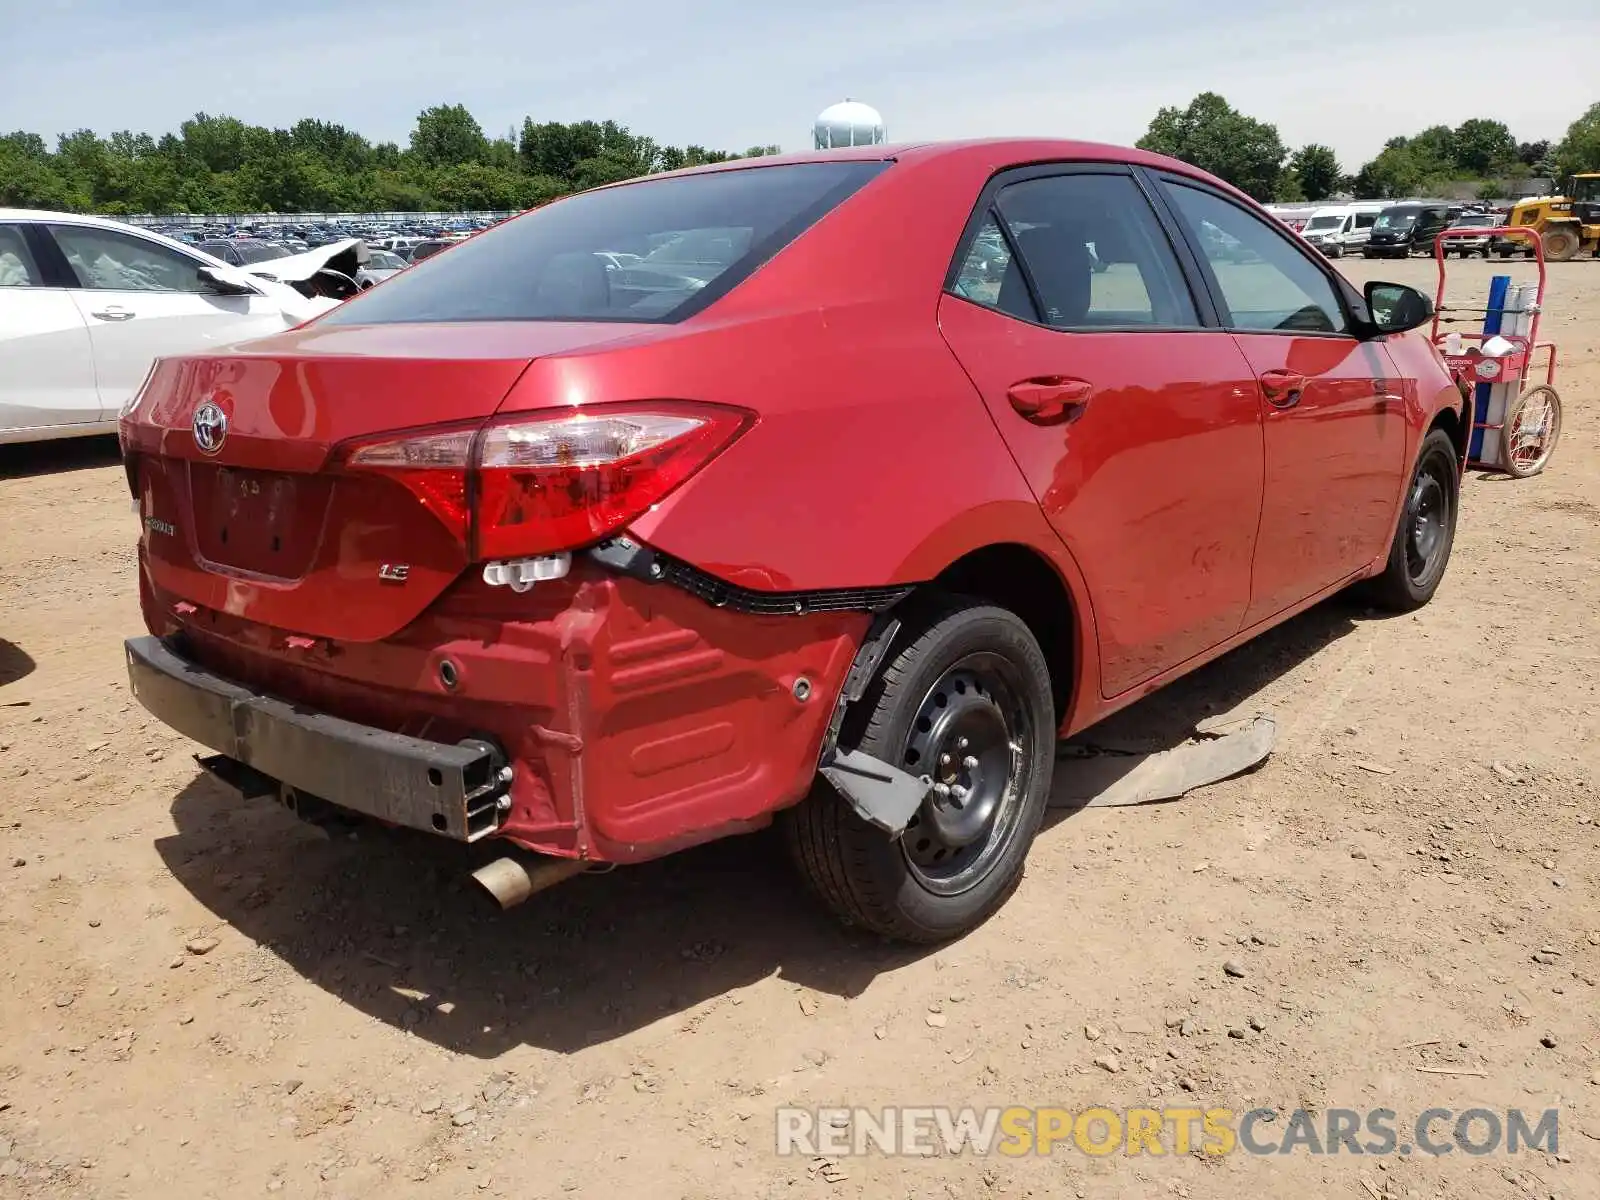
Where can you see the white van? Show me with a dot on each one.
(1338, 229)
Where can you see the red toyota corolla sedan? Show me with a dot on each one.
(832, 488)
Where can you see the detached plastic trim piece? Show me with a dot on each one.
(629, 557)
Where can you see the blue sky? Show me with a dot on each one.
(729, 74)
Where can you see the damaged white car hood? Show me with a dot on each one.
(275, 276)
(345, 257)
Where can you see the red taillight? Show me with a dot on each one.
(432, 464)
(535, 483)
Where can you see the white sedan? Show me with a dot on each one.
(87, 305)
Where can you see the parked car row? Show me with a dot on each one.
(308, 236)
(1395, 229)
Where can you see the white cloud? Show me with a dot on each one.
(722, 73)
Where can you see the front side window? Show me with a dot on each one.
(1270, 287)
(109, 260)
(1092, 256)
(696, 237)
(17, 268)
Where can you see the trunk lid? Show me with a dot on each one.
(263, 526)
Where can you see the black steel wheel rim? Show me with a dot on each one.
(972, 740)
(1427, 523)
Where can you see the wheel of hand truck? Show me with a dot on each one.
(1530, 433)
(1560, 245)
(964, 701)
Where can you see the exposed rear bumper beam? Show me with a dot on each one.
(451, 790)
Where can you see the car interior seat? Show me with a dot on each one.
(1058, 257)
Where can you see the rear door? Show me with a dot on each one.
(142, 299)
(46, 366)
(1134, 419)
(1332, 405)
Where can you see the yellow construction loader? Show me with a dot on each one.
(1567, 224)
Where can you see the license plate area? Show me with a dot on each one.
(265, 522)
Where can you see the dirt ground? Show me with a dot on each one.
(201, 997)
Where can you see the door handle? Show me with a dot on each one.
(1050, 399)
(113, 313)
(1282, 388)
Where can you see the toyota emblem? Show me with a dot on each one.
(210, 428)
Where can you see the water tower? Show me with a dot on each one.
(850, 123)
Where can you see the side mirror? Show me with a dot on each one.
(1395, 308)
(224, 285)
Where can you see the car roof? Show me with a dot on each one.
(66, 218)
(1002, 150)
(41, 214)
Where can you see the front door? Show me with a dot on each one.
(1333, 411)
(142, 300)
(1136, 426)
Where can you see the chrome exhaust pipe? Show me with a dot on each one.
(510, 883)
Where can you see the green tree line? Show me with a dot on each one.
(1248, 153)
(220, 164)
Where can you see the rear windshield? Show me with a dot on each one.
(658, 250)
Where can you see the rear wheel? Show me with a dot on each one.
(1531, 430)
(1427, 529)
(966, 702)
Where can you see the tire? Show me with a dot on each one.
(1539, 408)
(1426, 530)
(1560, 245)
(966, 675)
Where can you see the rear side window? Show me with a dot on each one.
(656, 251)
(1089, 254)
(989, 275)
(17, 268)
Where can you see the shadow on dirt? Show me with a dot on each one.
(389, 923)
(15, 663)
(591, 960)
(64, 454)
